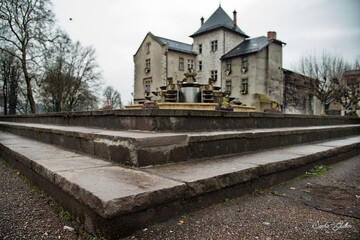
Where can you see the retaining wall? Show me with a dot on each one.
(180, 120)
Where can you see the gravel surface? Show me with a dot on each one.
(25, 213)
(325, 207)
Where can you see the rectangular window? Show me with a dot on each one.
(148, 48)
(244, 65)
(200, 65)
(228, 86)
(181, 64)
(147, 89)
(214, 45)
(147, 66)
(214, 75)
(200, 48)
(228, 67)
(190, 64)
(245, 86)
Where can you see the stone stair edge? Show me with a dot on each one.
(160, 148)
(106, 209)
(96, 134)
(193, 136)
(272, 132)
(185, 190)
(165, 120)
(172, 112)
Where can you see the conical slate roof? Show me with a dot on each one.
(219, 19)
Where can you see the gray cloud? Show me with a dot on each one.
(116, 28)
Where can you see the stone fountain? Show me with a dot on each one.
(189, 94)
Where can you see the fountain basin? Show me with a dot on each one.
(193, 106)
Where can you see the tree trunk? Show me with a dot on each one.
(323, 108)
(13, 95)
(5, 92)
(62, 106)
(353, 109)
(29, 94)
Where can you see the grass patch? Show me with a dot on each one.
(63, 215)
(38, 191)
(8, 165)
(227, 200)
(275, 193)
(317, 171)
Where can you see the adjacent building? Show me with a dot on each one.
(298, 97)
(252, 72)
(351, 79)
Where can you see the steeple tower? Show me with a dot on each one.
(219, 19)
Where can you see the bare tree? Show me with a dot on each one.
(298, 94)
(112, 97)
(10, 80)
(357, 63)
(25, 26)
(71, 78)
(327, 70)
(347, 91)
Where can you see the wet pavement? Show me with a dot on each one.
(323, 207)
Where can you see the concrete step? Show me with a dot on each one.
(142, 149)
(178, 120)
(116, 200)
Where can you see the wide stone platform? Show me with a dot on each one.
(140, 149)
(118, 171)
(165, 120)
(116, 200)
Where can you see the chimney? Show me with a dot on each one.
(271, 35)
(235, 24)
(202, 20)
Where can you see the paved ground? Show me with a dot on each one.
(325, 207)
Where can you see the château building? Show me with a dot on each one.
(248, 69)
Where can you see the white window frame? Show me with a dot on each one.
(181, 63)
(214, 45)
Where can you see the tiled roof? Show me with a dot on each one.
(249, 46)
(176, 46)
(219, 19)
(172, 45)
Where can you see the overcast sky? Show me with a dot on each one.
(116, 28)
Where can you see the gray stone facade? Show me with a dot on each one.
(164, 63)
(211, 59)
(218, 44)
